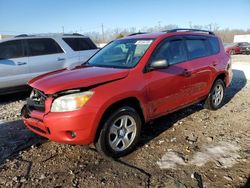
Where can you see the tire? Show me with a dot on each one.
(120, 133)
(216, 96)
(232, 52)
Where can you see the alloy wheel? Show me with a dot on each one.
(122, 133)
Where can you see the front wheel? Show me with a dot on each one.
(120, 133)
(216, 96)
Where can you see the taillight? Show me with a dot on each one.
(229, 64)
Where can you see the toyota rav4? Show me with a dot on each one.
(129, 82)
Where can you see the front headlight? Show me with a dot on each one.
(71, 102)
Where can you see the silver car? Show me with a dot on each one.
(27, 56)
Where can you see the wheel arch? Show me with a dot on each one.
(129, 101)
(222, 76)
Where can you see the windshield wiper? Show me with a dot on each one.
(86, 64)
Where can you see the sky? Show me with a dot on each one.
(50, 16)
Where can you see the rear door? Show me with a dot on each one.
(45, 55)
(84, 48)
(201, 65)
(14, 70)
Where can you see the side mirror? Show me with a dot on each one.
(159, 64)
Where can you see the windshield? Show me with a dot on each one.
(124, 53)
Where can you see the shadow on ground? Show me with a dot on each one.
(14, 96)
(162, 124)
(152, 130)
(247, 185)
(239, 81)
(15, 137)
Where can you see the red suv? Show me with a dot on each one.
(129, 82)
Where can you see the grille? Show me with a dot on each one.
(38, 129)
(36, 100)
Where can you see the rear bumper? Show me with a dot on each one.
(60, 126)
(230, 77)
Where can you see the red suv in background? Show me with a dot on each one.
(237, 48)
(129, 82)
(232, 48)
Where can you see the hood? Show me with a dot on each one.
(61, 80)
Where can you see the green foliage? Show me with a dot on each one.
(119, 36)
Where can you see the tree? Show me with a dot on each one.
(119, 36)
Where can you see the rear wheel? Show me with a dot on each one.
(216, 96)
(120, 133)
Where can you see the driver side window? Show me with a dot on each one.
(171, 50)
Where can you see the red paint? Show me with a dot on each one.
(159, 92)
(235, 49)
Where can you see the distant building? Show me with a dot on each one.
(242, 38)
(5, 36)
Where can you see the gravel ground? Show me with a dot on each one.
(193, 147)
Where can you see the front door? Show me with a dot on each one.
(168, 89)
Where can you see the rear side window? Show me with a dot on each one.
(215, 45)
(172, 50)
(43, 46)
(11, 49)
(80, 44)
(197, 48)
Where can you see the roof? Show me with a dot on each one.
(145, 35)
(42, 35)
(179, 31)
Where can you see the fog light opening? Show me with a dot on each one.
(48, 130)
(71, 134)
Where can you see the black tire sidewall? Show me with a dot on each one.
(103, 140)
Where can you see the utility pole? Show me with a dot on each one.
(102, 33)
(63, 29)
(159, 25)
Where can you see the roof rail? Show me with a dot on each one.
(139, 33)
(74, 34)
(77, 34)
(188, 29)
(22, 35)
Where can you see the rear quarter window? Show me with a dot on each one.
(80, 44)
(214, 44)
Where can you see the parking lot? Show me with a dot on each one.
(193, 147)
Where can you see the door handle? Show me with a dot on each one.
(186, 73)
(21, 63)
(214, 63)
(60, 59)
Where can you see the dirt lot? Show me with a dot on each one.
(193, 147)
